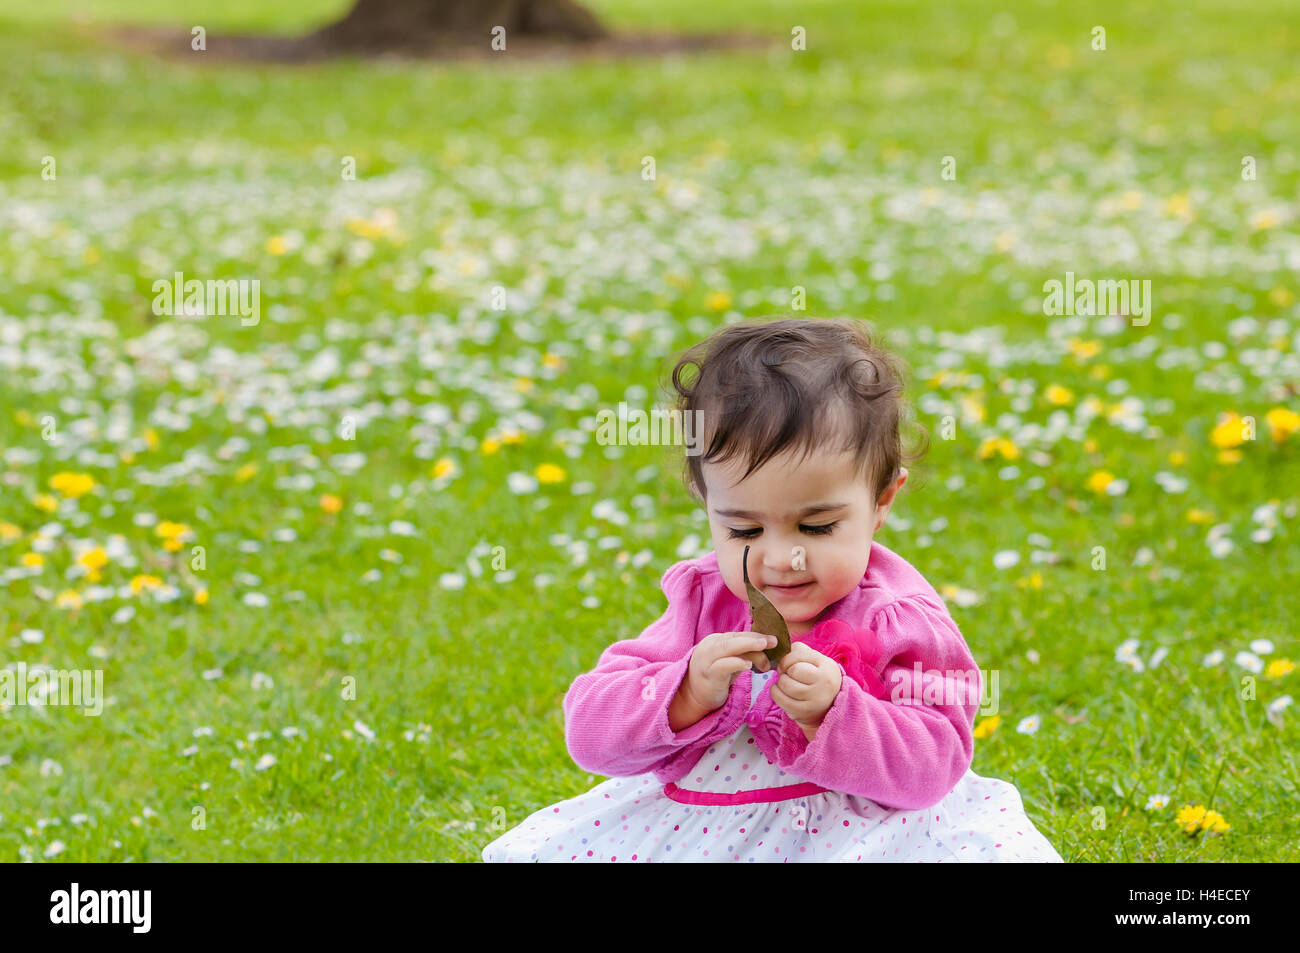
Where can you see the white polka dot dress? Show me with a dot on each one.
(737, 806)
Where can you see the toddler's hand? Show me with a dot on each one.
(808, 684)
(716, 661)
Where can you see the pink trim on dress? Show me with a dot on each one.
(755, 796)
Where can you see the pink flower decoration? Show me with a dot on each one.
(857, 651)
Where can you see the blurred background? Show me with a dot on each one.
(339, 564)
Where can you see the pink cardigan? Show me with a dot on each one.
(900, 755)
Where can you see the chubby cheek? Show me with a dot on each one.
(839, 573)
(735, 582)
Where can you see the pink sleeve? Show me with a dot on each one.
(895, 752)
(616, 715)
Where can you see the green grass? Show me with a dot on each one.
(819, 169)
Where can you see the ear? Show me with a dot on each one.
(886, 501)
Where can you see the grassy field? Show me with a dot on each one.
(336, 610)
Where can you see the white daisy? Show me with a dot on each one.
(1275, 709)
(520, 483)
(1028, 725)
(1249, 660)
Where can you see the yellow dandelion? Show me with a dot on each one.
(1264, 219)
(1279, 667)
(201, 597)
(9, 532)
(1282, 422)
(1229, 456)
(987, 726)
(550, 473)
(1004, 241)
(172, 534)
(444, 467)
(1090, 446)
(1100, 480)
(92, 255)
(276, 245)
(1058, 395)
(718, 301)
(68, 599)
(1000, 445)
(32, 559)
(513, 436)
(72, 484)
(552, 360)
(1178, 206)
(1282, 297)
(972, 408)
(1131, 200)
(1178, 458)
(365, 228)
(94, 559)
(1099, 372)
(151, 438)
(524, 385)
(490, 446)
(1229, 432)
(246, 472)
(1033, 581)
(141, 582)
(1214, 822)
(1083, 349)
(1199, 516)
(330, 503)
(1190, 817)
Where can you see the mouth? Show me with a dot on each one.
(788, 591)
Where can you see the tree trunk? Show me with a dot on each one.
(398, 25)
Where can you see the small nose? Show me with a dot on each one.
(779, 557)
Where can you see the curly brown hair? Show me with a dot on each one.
(764, 386)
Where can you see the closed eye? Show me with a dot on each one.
(823, 530)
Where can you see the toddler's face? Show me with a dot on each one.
(819, 504)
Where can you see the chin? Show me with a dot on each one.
(797, 609)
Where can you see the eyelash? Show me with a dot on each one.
(823, 530)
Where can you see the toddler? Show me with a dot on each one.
(857, 745)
